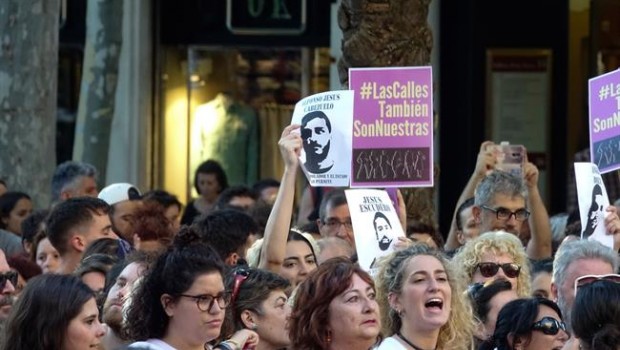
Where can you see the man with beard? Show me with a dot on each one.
(383, 228)
(573, 260)
(504, 201)
(124, 199)
(384, 235)
(316, 135)
(8, 280)
(119, 292)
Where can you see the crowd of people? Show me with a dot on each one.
(244, 267)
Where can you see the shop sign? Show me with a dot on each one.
(266, 17)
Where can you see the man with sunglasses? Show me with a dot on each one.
(576, 259)
(8, 280)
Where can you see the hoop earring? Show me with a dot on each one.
(328, 338)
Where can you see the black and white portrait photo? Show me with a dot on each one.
(316, 133)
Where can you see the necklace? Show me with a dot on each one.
(408, 342)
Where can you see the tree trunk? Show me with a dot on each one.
(28, 88)
(384, 33)
(104, 20)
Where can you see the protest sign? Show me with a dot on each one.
(376, 226)
(392, 127)
(604, 98)
(593, 201)
(326, 120)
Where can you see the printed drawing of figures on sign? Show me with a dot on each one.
(593, 200)
(326, 121)
(604, 108)
(375, 225)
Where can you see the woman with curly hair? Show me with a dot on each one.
(492, 256)
(421, 302)
(335, 309)
(180, 303)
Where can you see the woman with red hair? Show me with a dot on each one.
(335, 308)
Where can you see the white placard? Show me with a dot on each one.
(375, 225)
(593, 201)
(326, 130)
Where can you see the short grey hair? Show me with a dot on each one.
(499, 182)
(577, 250)
(333, 198)
(66, 175)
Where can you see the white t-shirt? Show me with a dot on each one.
(151, 344)
(390, 343)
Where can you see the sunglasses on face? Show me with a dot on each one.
(549, 326)
(587, 279)
(8, 276)
(490, 269)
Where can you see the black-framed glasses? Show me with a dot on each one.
(8, 276)
(505, 214)
(490, 269)
(334, 224)
(205, 302)
(587, 279)
(240, 276)
(549, 326)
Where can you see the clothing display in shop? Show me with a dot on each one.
(272, 119)
(226, 131)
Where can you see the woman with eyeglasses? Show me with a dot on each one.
(494, 255)
(259, 302)
(421, 300)
(528, 324)
(180, 303)
(335, 309)
(596, 312)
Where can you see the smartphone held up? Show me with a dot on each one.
(510, 158)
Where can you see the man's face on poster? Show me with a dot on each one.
(316, 137)
(597, 215)
(383, 231)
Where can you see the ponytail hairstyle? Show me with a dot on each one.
(596, 315)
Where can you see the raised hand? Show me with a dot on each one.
(530, 175)
(485, 163)
(290, 144)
